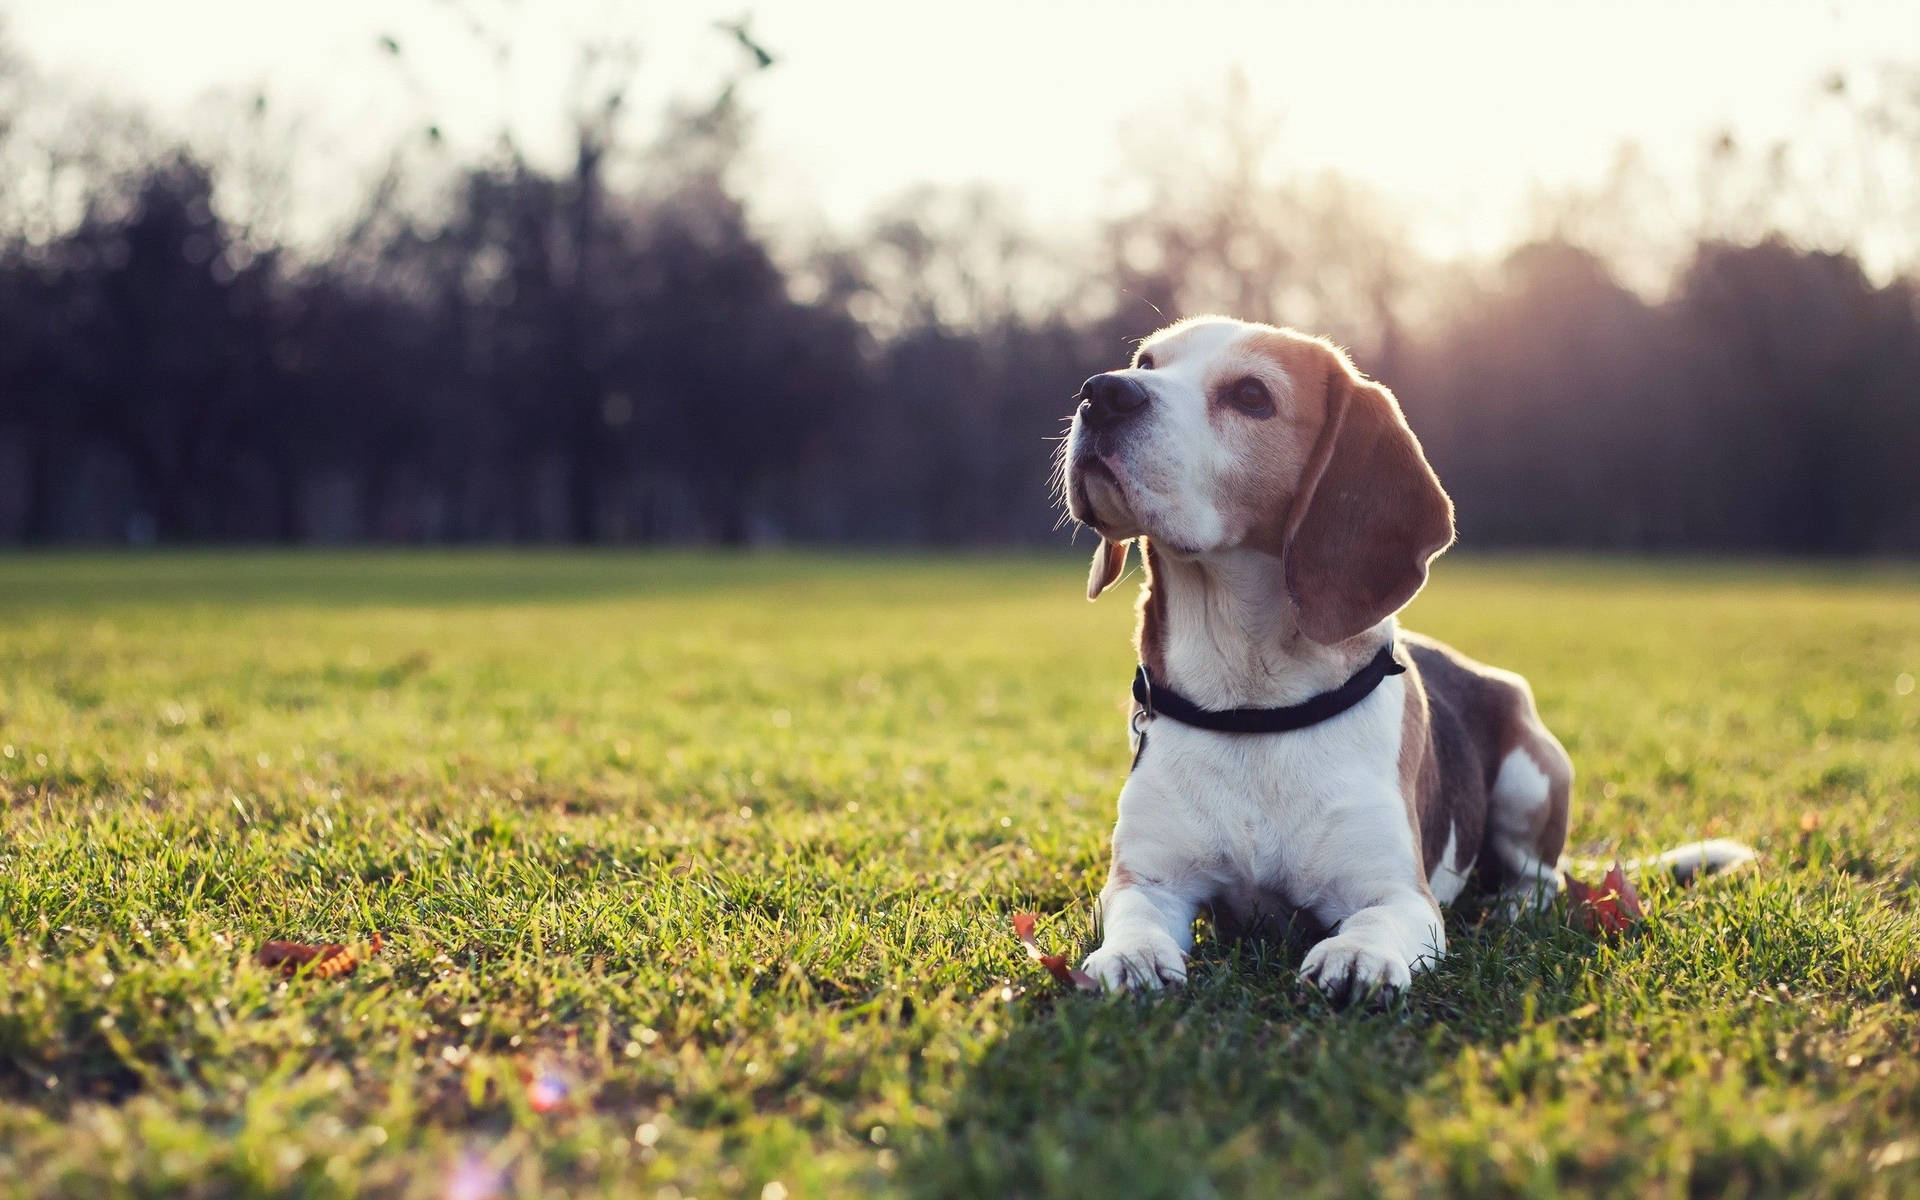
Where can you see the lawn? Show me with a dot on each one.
(695, 874)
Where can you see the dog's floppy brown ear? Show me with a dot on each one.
(1109, 560)
(1368, 518)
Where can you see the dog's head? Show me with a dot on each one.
(1227, 435)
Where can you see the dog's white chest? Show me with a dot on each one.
(1261, 823)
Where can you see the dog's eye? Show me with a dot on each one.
(1145, 363)
(1250, 396)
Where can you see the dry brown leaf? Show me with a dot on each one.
(328, 961)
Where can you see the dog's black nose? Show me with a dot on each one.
(1109, 399)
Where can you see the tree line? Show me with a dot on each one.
(590, 355)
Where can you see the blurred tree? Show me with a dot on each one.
(166, 348)
(611, 347)
(1545, 406)
(1218, 227)
(1804, 376)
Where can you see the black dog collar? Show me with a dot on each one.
(1156, 700)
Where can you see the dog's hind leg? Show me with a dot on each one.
(1527, 814)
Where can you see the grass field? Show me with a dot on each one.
(719, 852)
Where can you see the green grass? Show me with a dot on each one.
(729, 845)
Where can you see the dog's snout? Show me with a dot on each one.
(1111, 398)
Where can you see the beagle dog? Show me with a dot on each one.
(1297, 757)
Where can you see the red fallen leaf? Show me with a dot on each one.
(1609, 907)
(329, 961)
(1056, 964)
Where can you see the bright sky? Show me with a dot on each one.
(1459, 111)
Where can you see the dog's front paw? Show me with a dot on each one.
(1348, 968)
(1143, 964)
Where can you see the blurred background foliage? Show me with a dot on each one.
(617, 350)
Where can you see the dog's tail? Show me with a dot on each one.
(1684, 864)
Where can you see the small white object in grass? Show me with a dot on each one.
(1892, 1153)
(1903, 684)
(774, 1190)
(473, 1178)
(782, 718)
